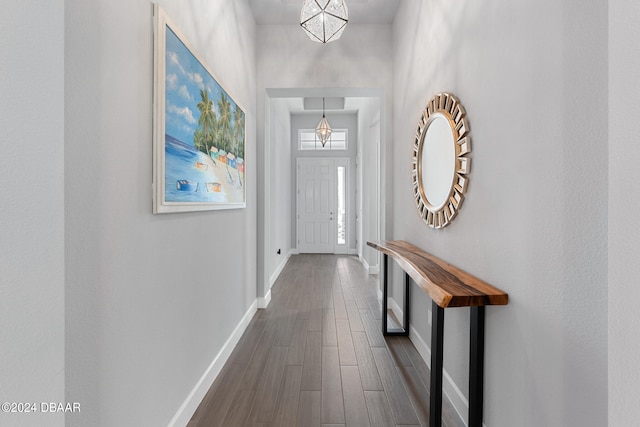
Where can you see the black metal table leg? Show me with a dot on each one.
(385, 295)
(385, 290)
(407, 302)
(476, 367)
(437, 344)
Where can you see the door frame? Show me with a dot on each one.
(335, 163)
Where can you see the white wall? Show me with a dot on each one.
(369, 135)
(624, 203)
(32, 208)
(281, 188)
(150, 300)
(286, 58)
(533, 78)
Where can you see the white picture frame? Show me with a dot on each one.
(198, 131)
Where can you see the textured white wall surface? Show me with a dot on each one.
(32, 209)
(151, 299)
(369, 135)
(532, 76)
(282, 185)
(624, 205)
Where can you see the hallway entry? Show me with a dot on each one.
(322, 205)
(316, 357)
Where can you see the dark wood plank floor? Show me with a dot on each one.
(316, 357)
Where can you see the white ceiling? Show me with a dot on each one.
(350, 105)
(288, 11)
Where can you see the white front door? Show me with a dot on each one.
(316, 206)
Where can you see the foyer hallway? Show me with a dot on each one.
(316, 357)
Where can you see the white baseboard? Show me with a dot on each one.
(393, 306)
(449, 387)
(278, 270)
(352, 251)
(370, 269)
(364, 263)
(263, 302)
(189, 406)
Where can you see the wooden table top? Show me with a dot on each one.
(447, 285)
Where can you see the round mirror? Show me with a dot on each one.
(439, 164)
(437, 161)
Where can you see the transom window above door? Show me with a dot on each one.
(307, 140)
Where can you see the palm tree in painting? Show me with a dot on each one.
(217, 136)
(238, 132)
(224, 121)
(199, 140)
(207, 120)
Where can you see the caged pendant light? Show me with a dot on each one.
(323, 130)
(324, 20)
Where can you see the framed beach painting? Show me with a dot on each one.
(199, 130)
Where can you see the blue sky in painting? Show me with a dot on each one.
(185, 76)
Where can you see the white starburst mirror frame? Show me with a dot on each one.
(439, 165)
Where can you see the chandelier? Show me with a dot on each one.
(323, 130)
(324, 20)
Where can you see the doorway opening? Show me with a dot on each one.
(322, 205)
(358, 212)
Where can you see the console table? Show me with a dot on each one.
(448, 286)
